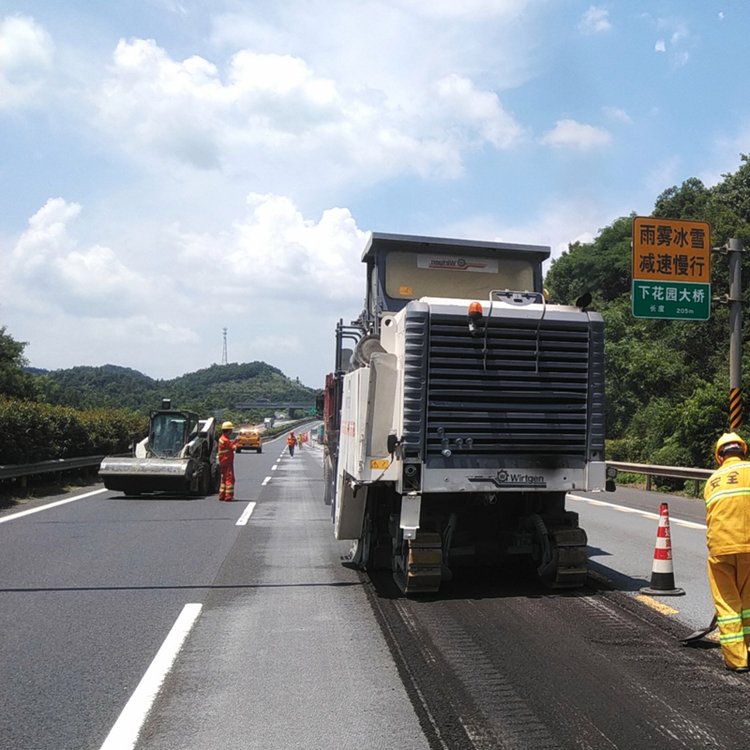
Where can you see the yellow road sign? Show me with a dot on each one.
(671, 250)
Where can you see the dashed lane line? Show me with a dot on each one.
(22, 513)
(245, 517)
(124, 733)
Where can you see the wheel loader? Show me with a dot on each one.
(177, 457)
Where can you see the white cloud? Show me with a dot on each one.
(571, 134)
(275, 115)
(674, 40)
(482, 108)
(451, 9)
(618, 115)
(724, 151)
(174, 6)
(662, 175)
(49, 271)
(45, 238)
(681, 58)
(276, 279)
(26, 54)
(274, 248)
(557, 224)
(595, 21)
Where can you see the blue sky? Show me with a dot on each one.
(169, 168)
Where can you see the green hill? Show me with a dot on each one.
(214, 389)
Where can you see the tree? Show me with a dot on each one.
(730, 205)
(601, 267)
(14, 382)
(688, 201)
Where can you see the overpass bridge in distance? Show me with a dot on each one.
(246, 405)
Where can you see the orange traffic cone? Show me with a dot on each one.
(662, 571)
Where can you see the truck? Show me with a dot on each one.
(248, 438)
(462, 409)
(178, 456)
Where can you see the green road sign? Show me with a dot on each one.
(671, 300)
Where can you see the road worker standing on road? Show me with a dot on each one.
(727, 496)
(226, 462)
(291, 441)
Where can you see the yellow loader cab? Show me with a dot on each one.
(249, 438)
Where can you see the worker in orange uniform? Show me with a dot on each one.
(727, 496)
(226, 462)
(291, 441)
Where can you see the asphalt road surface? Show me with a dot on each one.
(173, 623)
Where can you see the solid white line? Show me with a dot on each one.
(124, 733)
(245, 517)
(643, 513)
(13, 517)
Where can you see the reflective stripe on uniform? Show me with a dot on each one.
(733, 492)
(729, 618)
(731, 637)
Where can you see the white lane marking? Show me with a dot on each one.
(13, 517)
(265, 481)
(274, 467)
(245, 517)
(124, 733)
(643, 513)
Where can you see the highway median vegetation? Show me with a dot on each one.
(34, 431)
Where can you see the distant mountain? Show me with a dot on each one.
(215, 388)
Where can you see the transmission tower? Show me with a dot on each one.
(224, 348)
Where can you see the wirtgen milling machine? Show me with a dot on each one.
(469, 407)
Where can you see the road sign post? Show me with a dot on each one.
(671, 269)
(735, 250)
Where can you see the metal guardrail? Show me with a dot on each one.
(15, 471)
(673, 472)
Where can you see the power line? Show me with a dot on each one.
(224, 348)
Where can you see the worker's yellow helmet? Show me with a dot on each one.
(727, 440)
(227, 426)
